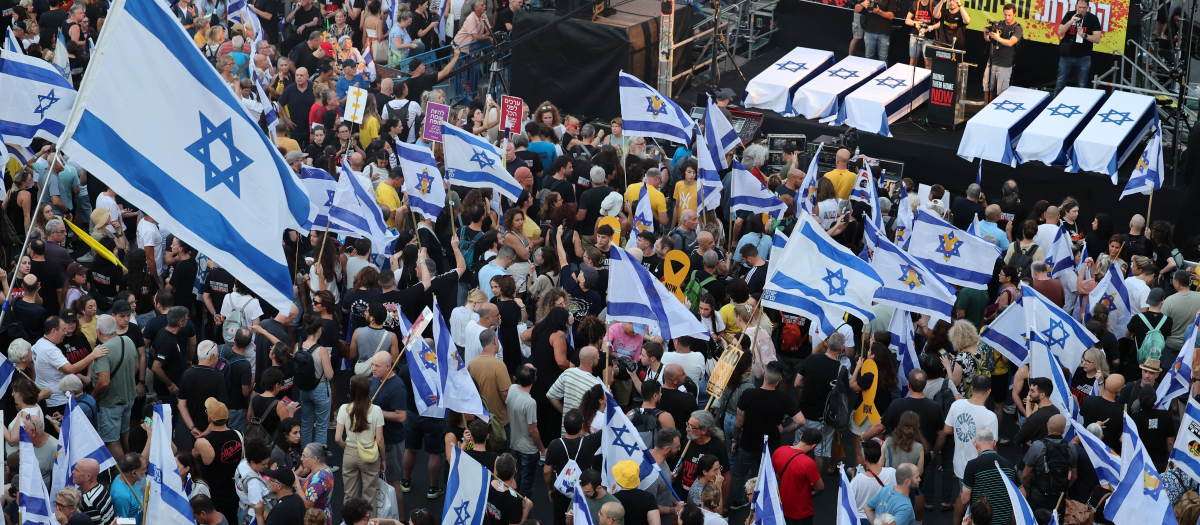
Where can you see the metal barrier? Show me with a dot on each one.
(463, 83)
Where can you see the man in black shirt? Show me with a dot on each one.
(1133, 390)
(168, 355)
(241, 378)
(217, 284)
(183, 275)
(922, 24)
(1041, 410)
(305, 17)
(163, 301)
(639, 505)
(877, 25)
(759, 412)
(573, 447)
(196, 386)
(289, 508)
(1104, 407)
(504, 17)
(277, 327)
(589, 207)
(966, 208)
(1077, 33)
(704, 437)
(756, 276)
(296, 100)
(679, 404)
(813, 378)
(560, 180)
(419, 82)
(927, 411)
(49, 273)
(1002, 42)
(650, 258)
(505, 506)
(268, 12)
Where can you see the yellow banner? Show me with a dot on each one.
(1039, 19)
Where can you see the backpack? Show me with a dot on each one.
(210, 53)
(944, 398)
(1187, 509)
(837, 403)
(1135, 246)
(467, 245)
(225, 365)
(1052, 470)
(402, 116)
(694, 290)
(1023, 259)
(792, 335)
(235, 320)
(647, 424)
(306, 369)
(254, 426)
(1154, 343)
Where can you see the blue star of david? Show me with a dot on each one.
(1112, 116)
(1150, 485)
(1063, 110)
(830, 277)
(201, 150)
(462, 515)
(655, 106)
(843, 73)
(890, 82)
(482, 159)
(791, 66)
(629, 448)
(1052, 341)
(1110, 300)
(910, 276)
(48, 100)
(424, 182)
(1009, 106)
(949, 246)
(330, 201)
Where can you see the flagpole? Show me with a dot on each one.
(25, 245)
(1148, 207)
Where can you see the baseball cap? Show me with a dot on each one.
(327, 47)
(282, 475)
(1152, 365)
(236, 28)
(1155, 298)
(68, 316)
(590, 275)
(723, 94)
(294, 156)
(349, 63)
(627, 474)
(121, 306)
(216, 409)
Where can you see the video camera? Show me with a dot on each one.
(993, 26)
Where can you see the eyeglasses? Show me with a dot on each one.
(62, 505)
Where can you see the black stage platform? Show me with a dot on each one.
(930, 157)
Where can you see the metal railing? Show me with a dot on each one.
(463, 84)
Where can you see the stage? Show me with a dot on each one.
(930, 157)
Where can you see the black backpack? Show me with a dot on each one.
(1052, 470)
(647, 424)
(306, 369)
(1135, 246)
(837, 403)
(944, 398)
(1023, 259)
(402, 116)
(255, 431)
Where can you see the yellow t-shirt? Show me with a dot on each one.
(386, 195)
(200, 39)
(843, 182)
(287, 144)
(370, 130)
(685, 196)
(658, 201)
(728, 318)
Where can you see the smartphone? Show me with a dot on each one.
(942, 352)
(126, 521)
(148, 422)
(286, 401)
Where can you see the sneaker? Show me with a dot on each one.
(405, 486)
(434, 493)
(1010, 409)
(741, 505)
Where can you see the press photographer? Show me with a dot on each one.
(1004, 37)
(920, 18)
(877, 26)
(1078, 31)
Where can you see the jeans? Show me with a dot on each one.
(527, 469)
(1072, 68)
(237, 419)
(730, 419)
(747, 462)
(877, 46)
(314, 415)
(142, 319)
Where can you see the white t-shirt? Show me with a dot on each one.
(934, 385)
(459, 319)
(471, 347)
(1139, 291)
(150, 234)
(1045, 236)
(967, 419)
(864, 486)
(251, 310)
(47, 360)
(114, 210)
(692, 363)
(255, 491)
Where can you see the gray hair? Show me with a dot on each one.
(598, 175)
(587, 130)
(207, 350)
(238, 42)
(53, 224)
(106, 325)
(985, 436)
(77, 7)
(487, 337)
(973, 191)
(176, 315)
(652, 172)
(328, 95)
(754, 156)
(708, 423)
(836, 341)
(711, 259)
(18, 349)
(1096, 430)
(317, 450)
(1039, 267)
(506, 252)
(70, 383)
(520, 141)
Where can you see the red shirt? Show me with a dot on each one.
(795, 481)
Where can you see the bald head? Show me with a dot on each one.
(1114, 383)
(991, 213)
(85, 473)
(1057, 424)
(704, 239)
(588, 356)
(673, 375)
(382, 359)
(1136, 224)
(843, 157)
(614, 511)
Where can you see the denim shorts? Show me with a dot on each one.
(826, 447)
(856, 27)
(426, 431)
(113, 422)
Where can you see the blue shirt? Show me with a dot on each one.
(343, 85)
(125, 501)
(485, 277)
(888, 501)
(239, 64)
(392, 398)
(990, 228)
(545, 152)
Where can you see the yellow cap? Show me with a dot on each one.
(627, 474)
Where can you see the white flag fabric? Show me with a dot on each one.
(321, 187)
(217, 182)
(426, 372)
(443, 15)
(1106, 462)
(355, 210)
(466, 490)
(579, 507)
(747, 193)
(1186, 453)
(768, 508)
(1022, 512)
(77, 440)
(620, 441)
(1148, 175)
(865, 190)
(1060, 258)
(473, 163)
(459, 392)
(1140, 496)
(1043, 363)
(901, 330)
(816, 267)
(635, 296)
(907, 284)
(1052, 328)
(848, 512)
(11, 43)
(6, 367)
(821, 316)
(647, 113)
(33, 501)
(368, 62)
(643, 217)
(904, 220)
(167, 503)
(959, 257)
(35, 100)
(1112, 294)
(1178, 380)
(719, 133)
(62, 60)
(709, 178)
(269, 110)
(423, 182)
(1006, 334)
(806, 196)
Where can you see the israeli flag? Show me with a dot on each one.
(768, 508)
(579, 507)
(1186, 453)
(424, 186)
(1178, 380)
(458, 389)
(218, 182)
(647, 113)
(979, 173)
(369, 63)
(443, 15)
(473, 163)
(1042, 363)
(33, 502)
(719, 133)
(904, 220)
(708, 177)
(643, 217)
(1022, 512)
(269, 111)
(816, 267)
(1148, 175)
(11, 43)
(907, 284)
(901, 330)
(1006, 334)
(35, 100)
(635, 296)
(1106, 462)
(355, 210)
(1140, 496)
(6, 367)
(957, 256)
(425, 370)
(62, 60)
(466, 490)
(1060, 258)
(1051, 328)
(1111, 293)
(78, 440)
(822, 316)
(167, 503)
(321, 187)
(806, 196)
(622, 442)
(848, 509)
(747, 193)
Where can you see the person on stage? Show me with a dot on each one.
(1078, 31)
(999, 72)
(952, 23)
(877, 24)
(922, 22)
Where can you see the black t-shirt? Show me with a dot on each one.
(304, 16)
(1034, 428)
(51, 276)
(927, 412)
(106, 278)
(818, 371)
(583, 302)
(198, 384)
(273, 7)
(920, 12)
(1154, 427)
(411, 300)
(503, 16)
(135, 335)
(590, 201)
(240, 374)
(756, 278)
(680, 405)
(183, 279)
(1095, 409)
(156, 324)
(563, 449)
(503, 508)
(532, 161)
(169, 352)
(954, 29)
(764, 410)
(50, 21)
(688, 467)
(637, 503)
(75, 347)
(289, 378)
(297, 103)
(417, 86)
(31, 316)
(356, 303)
(217, 285)
(564, 188)
(965, 210)
(1073, 43)
(1002, 55)
(875, 24)
(1014, 211)
(289, 510)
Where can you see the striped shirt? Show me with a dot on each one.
(98, 505)
(981, 476)
(570, 387)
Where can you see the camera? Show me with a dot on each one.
(993, 26)
(625, 363)
(433, 18)
(499, 37)
(872, 4)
